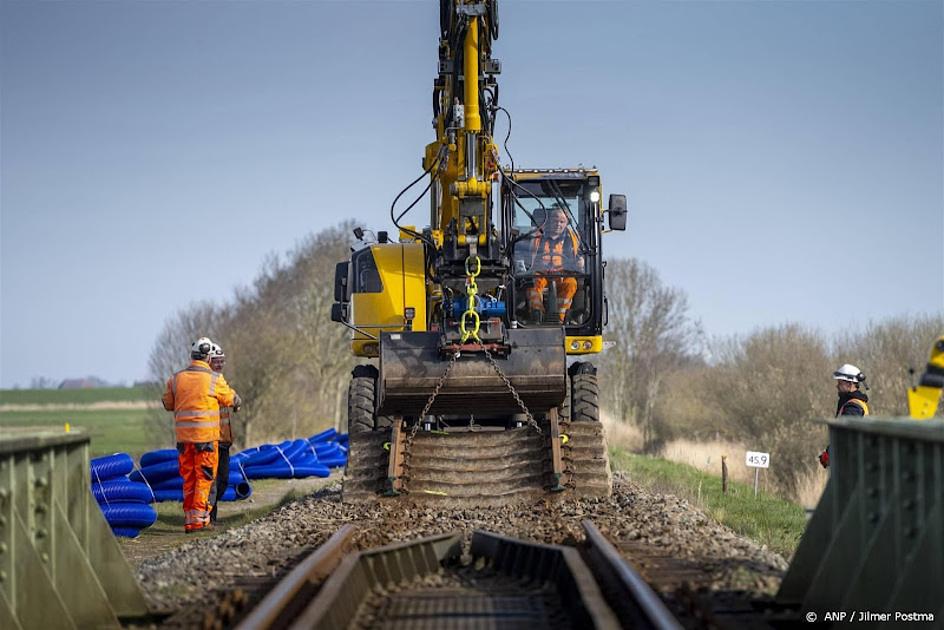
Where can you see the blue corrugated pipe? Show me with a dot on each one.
(156, 457)
(117, 490)
(137, 515)
(155, 473)
(325, 436)
(111, 466)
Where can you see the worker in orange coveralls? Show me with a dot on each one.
(554, 249)
(217, 361)
(195, 395)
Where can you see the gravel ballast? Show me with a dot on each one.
(264, 548)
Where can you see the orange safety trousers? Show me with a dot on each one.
(566, 288)
(197, 463)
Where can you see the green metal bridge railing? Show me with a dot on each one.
(876, 539)
(60, 565)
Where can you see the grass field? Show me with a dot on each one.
(767, 519)
(74, 396)
(118, 430)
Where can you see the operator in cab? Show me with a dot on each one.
(555, 249)
(852, 401)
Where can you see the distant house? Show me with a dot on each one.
(89, 382)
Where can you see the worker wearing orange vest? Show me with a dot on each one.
(852, 402)
(195, 395)
(217, 361)
(554, 249)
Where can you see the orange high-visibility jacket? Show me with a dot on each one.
(226, 429)
(195, 395)
(552, 254)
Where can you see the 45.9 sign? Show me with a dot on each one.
(757, 460)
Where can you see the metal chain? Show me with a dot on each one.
(432, 399)
(511, 388)
(472, 290)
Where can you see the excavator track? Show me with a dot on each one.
(480, 467)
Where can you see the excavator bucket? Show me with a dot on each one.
(468, 464)
(411, 366)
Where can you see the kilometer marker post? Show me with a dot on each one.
(757, 460)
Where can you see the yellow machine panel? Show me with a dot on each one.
(923, 399)
(583, 345)
(403, 286)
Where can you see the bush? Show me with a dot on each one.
(772, 389)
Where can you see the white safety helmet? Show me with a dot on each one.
(849, 372)
(200, 349)
(216, 352)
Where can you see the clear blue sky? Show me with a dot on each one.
(783, 160)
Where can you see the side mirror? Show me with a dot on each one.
(339, 312)
(617, 212)
(340, 282)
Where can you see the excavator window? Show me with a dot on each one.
(551, 255)
(366, 276)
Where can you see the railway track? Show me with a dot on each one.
(494, 581)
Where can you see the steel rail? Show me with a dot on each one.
(596, 589)
(295, 590)
(635, 602)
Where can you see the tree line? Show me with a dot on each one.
(659, 372)
(770, 388)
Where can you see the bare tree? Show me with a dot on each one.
(652, 335)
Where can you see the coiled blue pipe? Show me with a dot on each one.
(156, 473)
(327, 449)
(174, 483)
(117, 490)
(236, 492)
(111, 466)
(169, 495)
(325, 436)
(138, 515)
(263, 456)
(126, 532)
(156, 457)
(282, 470)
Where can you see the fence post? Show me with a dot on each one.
(724, 474)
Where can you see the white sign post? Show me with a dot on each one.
(757, 461)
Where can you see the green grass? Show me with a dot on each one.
(74, 396)
(119, 430)
(766, 519)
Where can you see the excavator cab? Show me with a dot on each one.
(553, 220)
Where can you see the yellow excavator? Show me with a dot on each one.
(472, 328)
(923, 398)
